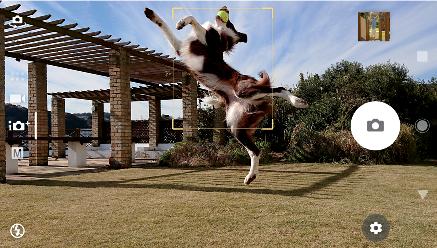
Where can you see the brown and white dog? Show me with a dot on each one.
(247, 100)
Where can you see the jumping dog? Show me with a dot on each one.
(246, 100)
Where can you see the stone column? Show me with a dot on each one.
(97, 121)
(58, 126)
(2, 102)
(120, 101)
(37, 83)
(154, 117)
(189, 105)
(219, 123)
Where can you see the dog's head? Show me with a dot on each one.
(227, 30)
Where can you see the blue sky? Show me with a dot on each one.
(307, 37)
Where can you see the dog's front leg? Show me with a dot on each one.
(165, 29)
(198, 29)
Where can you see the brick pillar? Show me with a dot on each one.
(154, 117)
(2, 102)
(219, 123)
(189, 104)
(97, 121)
(120, 101)
(39, 149)
(58, 126)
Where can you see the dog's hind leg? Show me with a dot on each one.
(198, 29)
(285, 94)
(243, 126)
(244, 138)
(175, 42)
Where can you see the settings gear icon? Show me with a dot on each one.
(375, 228)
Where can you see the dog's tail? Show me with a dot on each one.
(262, 88)
(294, 100)
(265, 79)
(281, 92)
(175, 42)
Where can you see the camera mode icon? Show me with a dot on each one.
(17, 126)
(375, 125)
(17, 20)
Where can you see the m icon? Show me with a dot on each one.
(17, 152)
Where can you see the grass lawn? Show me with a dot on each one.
(288, 205)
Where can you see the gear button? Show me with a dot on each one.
(375, 227)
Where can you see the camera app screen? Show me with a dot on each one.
(218, 124)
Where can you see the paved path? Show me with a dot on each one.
(55, 168)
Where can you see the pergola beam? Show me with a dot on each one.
(39, 49)
(164, 92)
(71, 67)
(10, 38)
(45, 42)
(53, 63)
(73, 52)
(31, 28)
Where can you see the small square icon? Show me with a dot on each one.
(17, 152)
(17, 98)
(422, 56)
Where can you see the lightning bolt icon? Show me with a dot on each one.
(17, 230)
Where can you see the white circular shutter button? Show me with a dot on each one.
(375, 125)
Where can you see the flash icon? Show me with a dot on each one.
(17, 231)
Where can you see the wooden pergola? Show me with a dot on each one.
(44, 41)
(143, 93)
(53, 42)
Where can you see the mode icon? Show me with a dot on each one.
(17, 152)
(17, 20)
(375, 125)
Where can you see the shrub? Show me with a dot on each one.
(205, 154)
(240, 156)
(195, 154)
(266, 151)
(339, 146)
(237, 152)
(403, 149)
